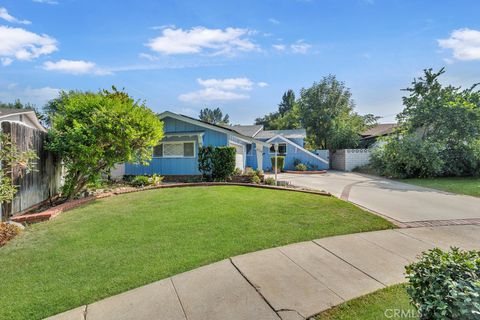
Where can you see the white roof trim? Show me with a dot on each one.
(209, 126)
(261, 128)
(297, 146)
(30, 114)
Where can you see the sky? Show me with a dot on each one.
(240, 56)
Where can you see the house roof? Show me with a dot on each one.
(379, 130)
(30, 113)
(248, 130)
(221, 128)
(291, 134)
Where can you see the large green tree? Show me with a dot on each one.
(327, 112)
(93, 131)
(439, 118)
(214, 116)
(287, 116)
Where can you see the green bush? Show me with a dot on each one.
(205, 155)
(407, 157)
(155, 180)
(270, 181)
(223, 163)
(140, 181)
(237, 172)
(280, 162)
(259, 172)
(301, 167)
(446, 285)
(249, 171)
(255, 179)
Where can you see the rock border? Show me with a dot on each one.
(53, 212)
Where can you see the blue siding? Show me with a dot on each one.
(178, 166)
(292, 154)
(252, 157)
(298, 141)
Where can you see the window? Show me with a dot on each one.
(249, 149)
(174, 149)
(282, 148)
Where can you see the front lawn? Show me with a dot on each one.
(462, 185)
(389, 303)
(122, 242)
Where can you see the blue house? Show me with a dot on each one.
(176, 155)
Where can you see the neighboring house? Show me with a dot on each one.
(370, 136)
(176, 155)
(27, 117)
(40, 184)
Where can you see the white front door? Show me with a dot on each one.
(239, 159)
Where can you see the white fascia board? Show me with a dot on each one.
(297, 146)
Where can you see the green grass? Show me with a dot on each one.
(122, 242)
(389, 303)
(461, 185)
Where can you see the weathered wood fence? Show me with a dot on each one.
(38, 185)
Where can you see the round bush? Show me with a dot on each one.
(446, 285)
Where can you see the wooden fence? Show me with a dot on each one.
(38, 185)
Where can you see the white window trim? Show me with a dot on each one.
(178, 157)
(270, 151)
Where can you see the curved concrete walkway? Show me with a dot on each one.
(405, 204)
(292, 282)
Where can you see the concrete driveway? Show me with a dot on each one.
(399, 201)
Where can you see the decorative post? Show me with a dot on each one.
(276, 162)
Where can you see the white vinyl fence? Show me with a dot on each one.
(349, 159)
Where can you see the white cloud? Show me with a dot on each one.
(76, 67)
(279, 47)
(6, 16)
(300, 47)
(221, 90)
(465, 44)
(36, 96)
(200, 39)
(262, 84)
(274, 21)
(20, 44)
(46, 1)
(227, 84)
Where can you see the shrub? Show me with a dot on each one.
(255, 179)
(155, 180)
(446, 285)
(249, 171)
(7, 232)
(259, 172)
(270, 181)
(280, 162)
(296, 162)
(223, 163)
(237, 172)
(140, 181)
(408, 156)
(301, 167)
(205, 161)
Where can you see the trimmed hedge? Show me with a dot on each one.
(280, 162)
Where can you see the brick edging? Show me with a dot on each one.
(55, 211)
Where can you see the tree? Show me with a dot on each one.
(445, 116)
(287, 116)
(326, 111)
(92, 132)
(288, 101)
(12, 159)
(214, 116)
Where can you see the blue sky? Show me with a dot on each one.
(240, 56)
